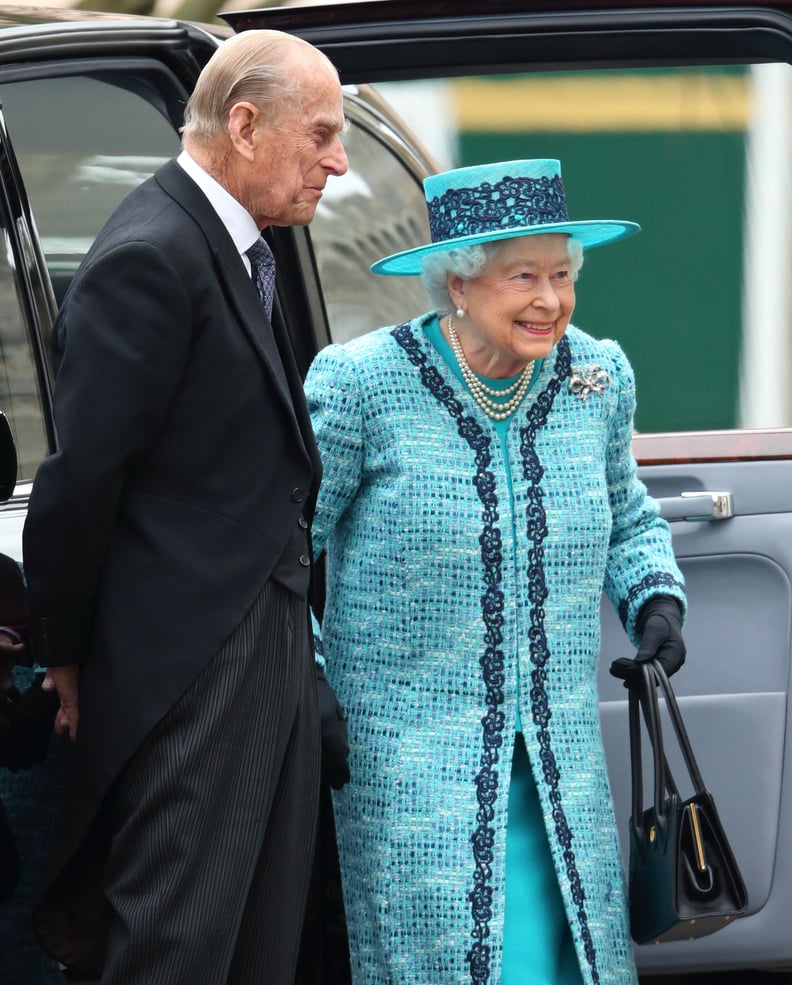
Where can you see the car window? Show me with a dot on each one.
(19, 387)
(82, 144)
(695, 155)
(375, 209)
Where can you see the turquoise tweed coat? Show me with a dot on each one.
(454, 597)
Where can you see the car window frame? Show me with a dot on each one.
(300, 295)
(41, 58)
(34, 288)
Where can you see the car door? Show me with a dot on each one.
(89, 109)
(25, 303)
(678, 116)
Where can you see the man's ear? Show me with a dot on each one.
(242, 121)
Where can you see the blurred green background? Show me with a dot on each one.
(671, 295)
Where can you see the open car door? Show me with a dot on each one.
(678, 116)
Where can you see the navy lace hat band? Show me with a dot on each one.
(490, 202)
(491, 208)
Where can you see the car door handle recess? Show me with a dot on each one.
(697, 506)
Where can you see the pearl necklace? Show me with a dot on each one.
(482, 393)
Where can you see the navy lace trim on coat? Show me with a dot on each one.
(539, 651)
(491, 660)
(659, 580)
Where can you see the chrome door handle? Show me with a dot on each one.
(697, 506)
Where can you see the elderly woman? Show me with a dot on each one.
(479, 494)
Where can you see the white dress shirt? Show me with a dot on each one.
(235, 217)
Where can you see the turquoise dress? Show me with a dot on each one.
(465, 569)
(537, 944)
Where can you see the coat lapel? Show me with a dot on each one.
(275, 345)
(239, 287)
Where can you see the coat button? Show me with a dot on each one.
(305, 561)
(297, 495)
(302, 522)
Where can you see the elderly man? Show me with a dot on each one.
(167, 553)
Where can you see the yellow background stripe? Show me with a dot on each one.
(687, 101)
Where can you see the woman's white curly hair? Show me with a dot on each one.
(470, 261)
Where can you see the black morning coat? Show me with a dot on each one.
(187, 458)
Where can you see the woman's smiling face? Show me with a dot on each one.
(518, 307)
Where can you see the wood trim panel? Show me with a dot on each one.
(682, 447)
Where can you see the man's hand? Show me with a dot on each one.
(65, 680)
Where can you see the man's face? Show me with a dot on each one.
(295, 155)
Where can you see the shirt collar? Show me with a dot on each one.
(235, 217)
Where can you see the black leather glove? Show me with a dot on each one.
(335, 741)
(660, 626)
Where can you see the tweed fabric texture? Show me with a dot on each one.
(438, 592)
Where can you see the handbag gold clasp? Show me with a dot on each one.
(697, 839)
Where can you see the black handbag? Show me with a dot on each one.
(684, 882)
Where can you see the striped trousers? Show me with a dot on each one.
(214, 818)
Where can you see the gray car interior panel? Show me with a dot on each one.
(734, 688)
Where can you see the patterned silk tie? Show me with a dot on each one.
(262, 269)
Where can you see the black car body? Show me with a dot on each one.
(674, 114)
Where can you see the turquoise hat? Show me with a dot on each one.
(488, 202)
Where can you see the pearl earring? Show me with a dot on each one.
(460, 312)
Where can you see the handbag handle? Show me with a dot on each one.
(643, 699)
(641, 695)
(679, 727)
